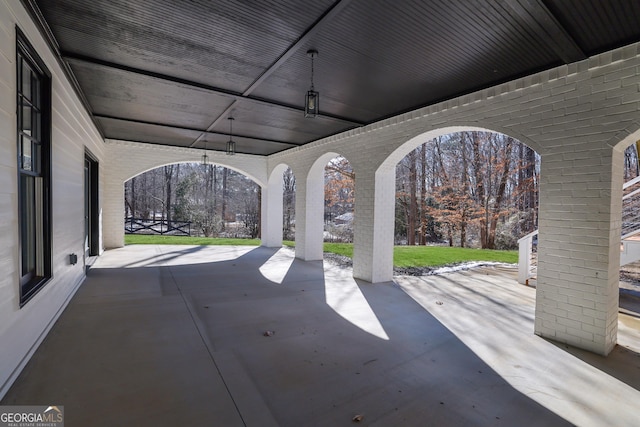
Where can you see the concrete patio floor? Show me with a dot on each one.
(175, 336)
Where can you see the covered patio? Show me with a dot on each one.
(93, 93)
(251, 336)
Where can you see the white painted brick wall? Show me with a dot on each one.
(573, 116)
(22, 329)
(271, 220)
(126, 160)
(578, 117)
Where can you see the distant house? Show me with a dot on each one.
(345, 218)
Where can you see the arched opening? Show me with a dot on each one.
(194, 199)
(278, 201)
(289, 205)
(630, 231)
(339, 201)
(474, 189)
(376, 263)
(310, 211)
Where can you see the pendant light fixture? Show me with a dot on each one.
(231, 145)
(312, 99)
(204, 159)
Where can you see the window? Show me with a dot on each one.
(34, 168)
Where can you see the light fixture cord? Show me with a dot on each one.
(312, 72)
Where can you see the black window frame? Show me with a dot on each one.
(34, 180)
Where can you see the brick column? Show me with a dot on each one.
(310, 212)
(374, 225)
(271, 216)
(301, 209)
(113, 212)
(579, 246)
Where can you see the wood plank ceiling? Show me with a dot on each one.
(172, 71)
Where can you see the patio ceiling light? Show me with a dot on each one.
(231, 145)
(204, 159)
(312, 99)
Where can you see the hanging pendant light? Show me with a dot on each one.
(204, 159)
(312, 98)
(231, 145)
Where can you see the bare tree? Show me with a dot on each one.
(168, 176)
(339, 199)
(225, 174)
(189, 192)
(468, 186)
(423, 196)
(289, 203)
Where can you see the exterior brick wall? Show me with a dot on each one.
(126, 160)
(578, 117)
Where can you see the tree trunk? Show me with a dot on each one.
(532, 190)
(423, 195)
(168, 175)
(480, 189)
(133, 197)
(225, 173)
(413, 202)
(207, 186)
(145, 212)
(464, 185)
(259, 219)
(491, 240)
(520, 204)
(214, 171)
(443, 170)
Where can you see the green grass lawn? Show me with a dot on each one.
(403, 256)
(155, 239)
(436, 256)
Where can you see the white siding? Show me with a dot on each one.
(21, 330)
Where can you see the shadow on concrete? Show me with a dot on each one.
(155, 259)
(170, 344)
(630, 302)
(493, 316)
(622, 363)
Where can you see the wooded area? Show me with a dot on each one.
(468, 189)
(474, 189)
(218, 201)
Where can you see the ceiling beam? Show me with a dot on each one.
(304, 38)
(327, 16)
(72, 57)
(45, 30)
(139, 141)
(536, 14)
(145, 122)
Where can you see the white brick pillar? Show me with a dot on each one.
(374, 225)
(113, 212)
(310, 212)
(301, 209)
(579, 246)
(271, 217)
